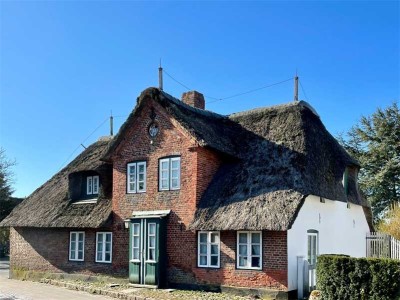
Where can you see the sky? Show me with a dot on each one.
(65, 65)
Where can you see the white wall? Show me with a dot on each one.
(341, 230)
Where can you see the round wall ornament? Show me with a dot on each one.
(153, 130)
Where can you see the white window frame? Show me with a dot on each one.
(249, 255)
(169, 179)
(103, 253)
(208, 243)
(136, 189)
(154, 235)
(310, 235)
(76, 241)
(133, 243)
(92, 189)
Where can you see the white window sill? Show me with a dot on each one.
(86, 201)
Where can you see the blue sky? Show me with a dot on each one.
(64, 65)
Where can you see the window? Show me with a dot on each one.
(151, 239)
(136, 177)
(170, 174)
(135, 242)
(208, 249)
(92, 185)
(76, 245)
(312, 247)
(249, 250)
(103, 247)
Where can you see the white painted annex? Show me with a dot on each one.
(341, 230)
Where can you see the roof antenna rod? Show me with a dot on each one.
(296, 88)
(160, 77)
(111, 125)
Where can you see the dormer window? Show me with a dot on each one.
(92, 185)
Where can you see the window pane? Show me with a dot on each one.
(132, 169)
(203, 260)
(136, 229)
(152, 254)
(136, 241)
(164, 174)
(72, 254)
(152, 228)
(108, 247)
(164, 184)
(164, 165)
(100, 237)
(108, 237)
(243, 238)
(175, 183)
(214, 237)
(242, 249)
(73, 236)
(214, 249)
(255, 238)
(255, 262)
(135, 253)
(174, 173)
(203, 237)
(152, 242)
(131, 186)
(81, 237)
(141, 177)
(203, 249)
(141, 168)
(214, 261)
(108, 256)
(243, 261)
(100, 247)
(73, 246)
(255, 250)
(99, 258)
(80, 246)
(141, 186)
(175, 164)
(80, 255)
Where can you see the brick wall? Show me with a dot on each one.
(274, 265)
(45, 249)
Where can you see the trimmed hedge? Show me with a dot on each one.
(346, 278)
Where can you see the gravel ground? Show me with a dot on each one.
(165, 294)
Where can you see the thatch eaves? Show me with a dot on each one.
(51, 206)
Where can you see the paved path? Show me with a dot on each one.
(26, 290)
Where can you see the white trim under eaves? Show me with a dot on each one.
(86, 201)
(149, 214)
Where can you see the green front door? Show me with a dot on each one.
(144, 253)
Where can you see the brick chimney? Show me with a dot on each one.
(194, 99)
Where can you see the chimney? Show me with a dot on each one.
(194, 99)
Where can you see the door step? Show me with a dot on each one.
(147, 286)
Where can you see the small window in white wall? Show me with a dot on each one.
(249, 250)
(136, 177)
(208, 249)
(76, 245)
(104, 247)
(312, 246)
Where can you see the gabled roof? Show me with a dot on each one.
(50, 206)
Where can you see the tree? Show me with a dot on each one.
(391, 222)
(7, 203)
(375, 143)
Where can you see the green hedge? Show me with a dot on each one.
(346, 278)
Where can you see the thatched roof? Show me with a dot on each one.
(281, 155)
(287, 154)
(51, 206)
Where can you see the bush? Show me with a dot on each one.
(347, 278)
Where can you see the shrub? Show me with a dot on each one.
(347, 278)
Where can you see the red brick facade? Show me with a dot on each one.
(47, 249)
